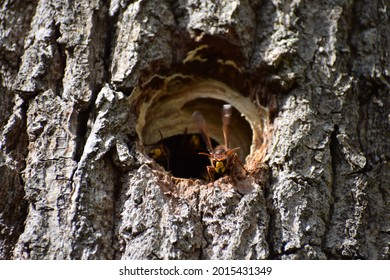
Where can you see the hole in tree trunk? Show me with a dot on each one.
(168, 110)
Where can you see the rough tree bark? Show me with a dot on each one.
(76, 182)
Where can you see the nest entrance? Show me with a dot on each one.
(169, 109)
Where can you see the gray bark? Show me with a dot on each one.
(85, 86)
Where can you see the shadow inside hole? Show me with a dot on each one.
(184, 160)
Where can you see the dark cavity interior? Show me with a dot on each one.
(183, 159)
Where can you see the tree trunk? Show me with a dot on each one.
(87, 87)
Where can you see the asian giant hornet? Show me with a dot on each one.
(160, 153)
(222, 158)
(179, 154)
